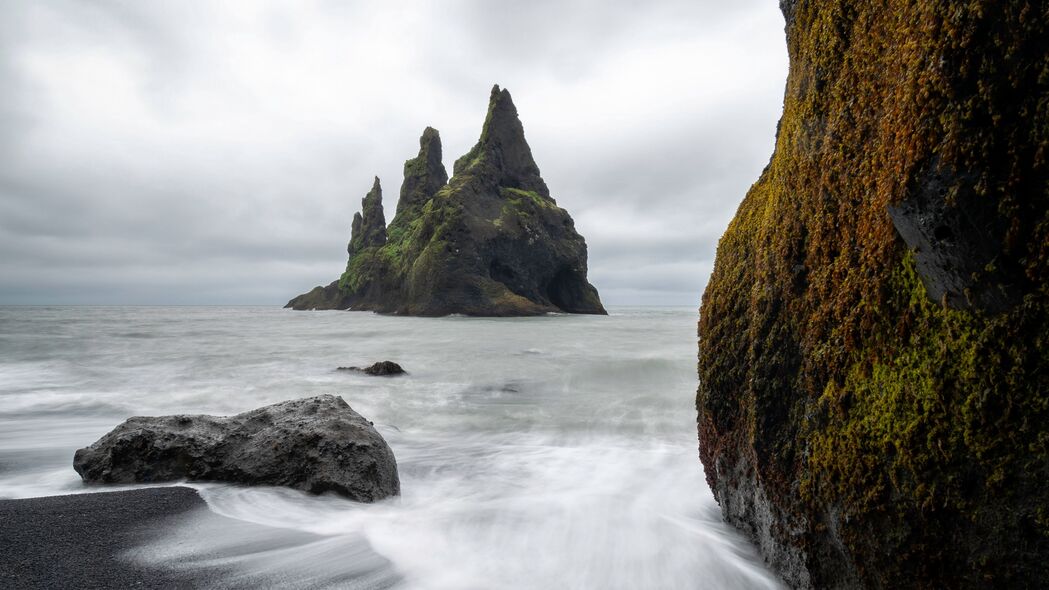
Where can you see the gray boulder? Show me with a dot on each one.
(317, 444)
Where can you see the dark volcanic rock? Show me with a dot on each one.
(330, 297)
(379, 369)
(367, 232)
(956, 242)
(368, 229)
(316, 444)
(424, 175)
(490, 242)
(874, 367)
(502, 156)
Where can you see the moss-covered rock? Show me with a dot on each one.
(369, 226)
(491, 241)
(874, 340)
(424, 175)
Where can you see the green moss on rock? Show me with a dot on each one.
(489, 241)
(874, 397)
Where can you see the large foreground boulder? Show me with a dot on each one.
(317, 444)
(874, 339)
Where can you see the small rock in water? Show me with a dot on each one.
(379, 369)
(317, 444)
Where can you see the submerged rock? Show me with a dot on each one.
(317, 444)
(489, 242)
(379, 369)
(874, 368)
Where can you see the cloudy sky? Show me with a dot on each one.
(200, 152)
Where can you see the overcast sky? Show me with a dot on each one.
(201, 152)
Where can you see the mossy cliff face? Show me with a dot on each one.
(874, 340)
(490, 242)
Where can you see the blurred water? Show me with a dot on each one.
(551, 452)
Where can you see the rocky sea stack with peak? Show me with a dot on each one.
(489, 242)
(874, 339)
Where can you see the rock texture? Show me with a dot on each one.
(368, 229)
(874, 340)
(316, 444)
(489, 242)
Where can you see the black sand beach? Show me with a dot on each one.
(77, 541)
(168, 538)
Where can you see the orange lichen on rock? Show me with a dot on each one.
(874, 365)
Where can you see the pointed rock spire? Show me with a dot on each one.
(502, 149)
(369, 226)
(490, 242)
(355, 235)
(424, 174)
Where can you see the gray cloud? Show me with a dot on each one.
(200, 152)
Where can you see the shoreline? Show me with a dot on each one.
(168, 537)
(80, 540)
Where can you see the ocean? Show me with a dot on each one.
(548, 452)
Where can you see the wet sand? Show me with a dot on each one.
(168, 538)
(80, 540)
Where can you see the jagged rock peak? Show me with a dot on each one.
(369, 226)
(431, 138)
(502, 121)
(424, 174)
(491, 242)
(355, 232)
(502, 155)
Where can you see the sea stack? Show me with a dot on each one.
(873, 404)
(489, 242)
